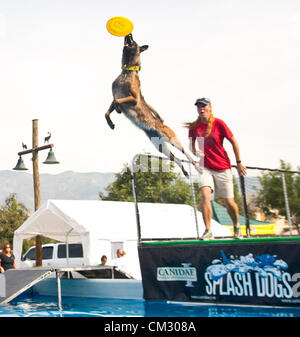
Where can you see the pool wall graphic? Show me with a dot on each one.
(265, 273)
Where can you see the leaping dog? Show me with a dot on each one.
(128, 99)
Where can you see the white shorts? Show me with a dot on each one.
(221, 182)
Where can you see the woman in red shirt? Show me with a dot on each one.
(208, 133)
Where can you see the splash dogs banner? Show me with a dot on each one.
(258, 273)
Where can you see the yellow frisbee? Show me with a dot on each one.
(119, 26)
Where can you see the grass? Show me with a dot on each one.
(222, 241)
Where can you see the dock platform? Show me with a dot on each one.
(14, 282)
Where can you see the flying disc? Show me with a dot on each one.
(119, 26)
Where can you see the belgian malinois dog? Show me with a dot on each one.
(128, 100)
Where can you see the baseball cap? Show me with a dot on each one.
(203, 100)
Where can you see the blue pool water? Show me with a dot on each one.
(43, 306)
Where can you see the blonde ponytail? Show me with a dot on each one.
(210, 124)
(193, 125)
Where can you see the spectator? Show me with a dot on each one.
(120, 253)
(121, 261)
(7, 259)
(103, 261)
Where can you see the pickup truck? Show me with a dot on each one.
(55, 255)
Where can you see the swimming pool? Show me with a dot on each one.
(46, 306)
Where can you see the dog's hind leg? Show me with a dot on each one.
(154, 112)
(163, 148)
(176, 143)
(173, 140)
(160, 143)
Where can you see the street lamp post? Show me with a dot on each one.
(36, 179)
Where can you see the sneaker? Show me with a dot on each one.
(238, 233)
(207, 235)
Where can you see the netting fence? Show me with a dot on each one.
(268, 199)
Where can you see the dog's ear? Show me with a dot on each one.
(143, 48)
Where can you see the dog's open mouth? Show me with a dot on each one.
(128, 40)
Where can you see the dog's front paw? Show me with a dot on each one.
(111, 125)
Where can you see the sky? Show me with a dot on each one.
(58, 61)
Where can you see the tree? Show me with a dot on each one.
(12, 215)
(161, 187)
(155, 187)
(271, 195)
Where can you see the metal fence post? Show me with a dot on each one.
(194, 201)
(246, 214)
(58, 276)
(137, 214)
(286, 200)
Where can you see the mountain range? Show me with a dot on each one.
(67, 185)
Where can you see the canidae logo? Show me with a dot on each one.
(184, 273)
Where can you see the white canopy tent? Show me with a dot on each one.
(93, 221)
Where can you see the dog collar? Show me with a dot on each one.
(132, 68)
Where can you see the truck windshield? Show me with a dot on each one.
(47, 254)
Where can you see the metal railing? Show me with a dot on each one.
(257, 193)
(135, 168)
(249, 191)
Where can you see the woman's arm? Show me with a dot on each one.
(241, 169)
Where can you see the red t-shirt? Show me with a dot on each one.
(215, 156)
